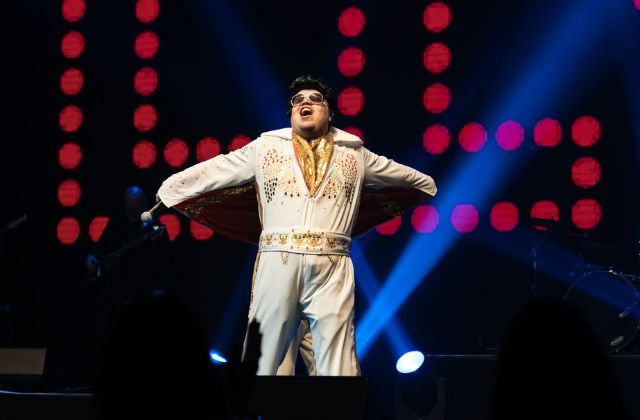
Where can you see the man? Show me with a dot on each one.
(308, 180)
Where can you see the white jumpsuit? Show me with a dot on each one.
(303, 267)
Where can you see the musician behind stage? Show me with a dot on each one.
(129, 260)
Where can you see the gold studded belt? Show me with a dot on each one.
(303, 241)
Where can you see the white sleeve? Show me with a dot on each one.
(232, 169)
(382, 172)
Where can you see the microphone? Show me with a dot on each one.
(150, 214)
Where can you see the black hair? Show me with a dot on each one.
(311, 82)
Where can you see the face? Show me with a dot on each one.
(309, 119)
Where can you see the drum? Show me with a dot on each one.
(610, 304)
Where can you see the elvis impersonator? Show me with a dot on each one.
(300, 193)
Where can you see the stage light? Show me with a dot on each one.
(176, 153)
(147, 10)
(200, 232)
(586, 172)
(68, 230)
(436, 57)
(436, 98)
(207, 148)
(144, 154)
(436, 17)
(586, 131)
(70, 118)
(436, 139)
(351, 61)
(73, 10)
(238, 142)
(350, 101)
(472, 137)
(145, 117)
(586, 214)
(355, 131)
(510, 135)
(72, 44)
(545, 209)
(351, 22)
(97, 226)
(425, 219)
(69, 156)
(547, 133)
(390, 227)
(464, 218)
(217, 358)
(69, 193)
(172, 224)
(504, 216)
(146, 45)
(145, 81)
(636, 3)
(71, 81)
(410, 362)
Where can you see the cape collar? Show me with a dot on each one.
(339, 136)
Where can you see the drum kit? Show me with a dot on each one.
(608, 298)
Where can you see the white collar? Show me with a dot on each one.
(339, 136)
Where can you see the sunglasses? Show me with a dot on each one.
(315, 98)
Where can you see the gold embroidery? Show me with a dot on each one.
(314, 239)
(313, 158)
(283, 238)
(193, 209)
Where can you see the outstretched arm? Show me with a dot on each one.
(232, 169)
(380, 171)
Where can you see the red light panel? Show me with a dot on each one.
(436, 17)
(73, 10)
(390, 227)
(351, 22)
(68, 230)
(586, 131)
(147, 10)
(71, 81)
(472, 137)
(436, 57)
(70, 118)
(586, 214)
(200, 232)
(350, 101)
(351, 61)
(545, 209)
(547, 133)
(69, 192)
(355, 131)
(97, 226)
(176, 153)
(145, 81)
(510, 135)
(586, 172)
(146, 45)
(436, 139)
(69, 156)
(72, 44)
(504, 216)
(238, 142)
(425, 219)
(636, 3)
(144, 154)
(145, 118)
(436, 98)
(464, 218)
(207, 148)
(172, 224)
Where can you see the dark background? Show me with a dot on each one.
(223, 70)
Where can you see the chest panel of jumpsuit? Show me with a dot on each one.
(284, 196)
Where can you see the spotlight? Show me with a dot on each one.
(216, 358)
(410, 362)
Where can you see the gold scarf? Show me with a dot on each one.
(313, 159)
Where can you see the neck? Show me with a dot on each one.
(311, 134)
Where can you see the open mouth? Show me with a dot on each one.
(306, 111)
